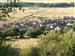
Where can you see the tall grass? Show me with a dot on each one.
(52, 44)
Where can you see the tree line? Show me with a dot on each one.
(31, 4)
(13, 32)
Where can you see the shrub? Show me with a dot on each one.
(6, 50)
(12, 32)
(57, 44)
(9, 32)
(31, 51)
(35, 32)
(74, 26)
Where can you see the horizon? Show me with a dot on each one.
(44, 1)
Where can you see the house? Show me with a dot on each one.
(57, 28)
(69, 17)
(1, 26)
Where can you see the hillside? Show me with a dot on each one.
(34, 14)
(32, 4)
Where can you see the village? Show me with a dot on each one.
(58, 24)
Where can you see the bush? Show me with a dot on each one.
(9, 32)
(57, 44)
(74, 26)
(6, 50)
(0, 33)
(35, 32)
(31, 51)
(12, 32)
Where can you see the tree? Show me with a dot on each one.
(22, 32)
(35, 32)
(9, 32)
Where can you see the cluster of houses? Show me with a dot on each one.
(52, 24)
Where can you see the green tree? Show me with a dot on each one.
(22, 32)
(10, 32)
(35, 32)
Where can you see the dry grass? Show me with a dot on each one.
(51, 13)
(23, 43)
(45, 12)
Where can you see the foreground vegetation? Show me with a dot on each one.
(54, 43)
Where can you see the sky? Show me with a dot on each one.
(44, 1)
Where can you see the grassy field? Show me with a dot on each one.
(23, 43)
(33, 14)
